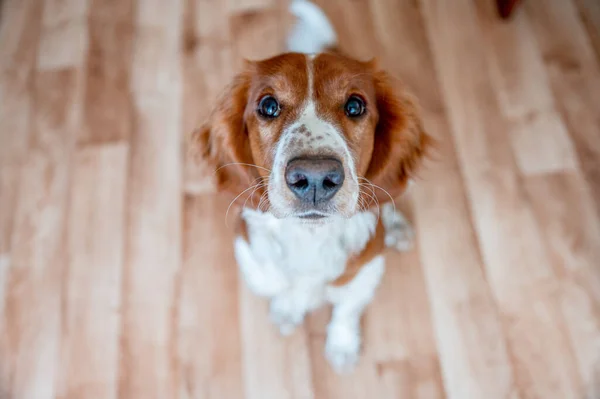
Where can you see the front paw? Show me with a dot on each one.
(401, 237)
(342, 348)
(285, 314)
(399, 233)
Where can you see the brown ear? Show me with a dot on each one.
(223, 141)
(400, 141)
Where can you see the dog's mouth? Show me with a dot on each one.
(313, 216)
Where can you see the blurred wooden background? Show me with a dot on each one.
(117, 278)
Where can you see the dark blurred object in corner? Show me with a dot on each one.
(506, 7)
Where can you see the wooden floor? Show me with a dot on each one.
(117, 278)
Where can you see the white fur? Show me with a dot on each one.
(313, 31)
(293, 262)
(343, 333)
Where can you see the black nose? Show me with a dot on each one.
(314, 180)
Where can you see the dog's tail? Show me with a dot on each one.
(313, 32)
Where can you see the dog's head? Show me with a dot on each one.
(313, 136)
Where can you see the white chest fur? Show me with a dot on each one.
(305, 250)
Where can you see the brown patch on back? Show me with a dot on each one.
(373, 248)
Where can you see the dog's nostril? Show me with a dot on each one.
(300, 183)
(329, 183)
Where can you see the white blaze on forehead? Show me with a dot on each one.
(310, 76)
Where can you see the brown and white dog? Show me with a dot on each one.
(315, 140)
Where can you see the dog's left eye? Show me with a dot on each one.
(355, 106)
(268, 107)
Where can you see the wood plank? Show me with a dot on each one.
(148, 366)
(366, 378)
(463, 312)
(19, 37)
(274, 367)
(153, 255)
(9, 183)
(589, 13)
(575, 79)
(209, 327)
(107, 101)
(354, 26)
(566, 214)
(31, 328)
(209, 63)
(399, 332)
(63, 40)
(157, 42)
(538, 135)
(90, 337)
(19, 33)
(517, 265)
(259, 34)
(242, 6)
(259, 31)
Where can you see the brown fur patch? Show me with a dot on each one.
(373, 248)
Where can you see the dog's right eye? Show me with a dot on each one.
(355, 106)
(269, 107)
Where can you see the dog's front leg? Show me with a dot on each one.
(289, 308)
(343, 342)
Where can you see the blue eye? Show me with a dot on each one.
(354, 107)
(269, 107)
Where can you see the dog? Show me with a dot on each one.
(315, 141)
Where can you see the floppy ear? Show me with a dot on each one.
(223, 140)
(400, 142)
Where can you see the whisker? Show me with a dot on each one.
(361, 204)
(377, 205)
(371, 199)
(235, 199)
(373, 196)
(382, 189)
(259, 184)
(263, 197)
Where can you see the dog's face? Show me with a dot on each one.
(312, 136)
